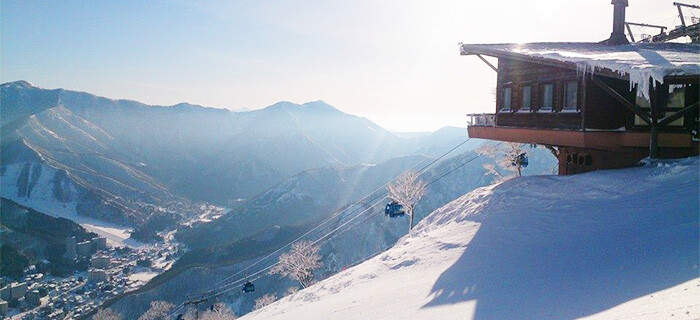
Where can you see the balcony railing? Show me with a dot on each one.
(481, 119)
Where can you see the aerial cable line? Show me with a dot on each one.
(258, 274)
(338, 213)
(331, 234)
(232, 285)
(318, 226)
(459, 166)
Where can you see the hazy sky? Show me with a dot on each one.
(394, 62)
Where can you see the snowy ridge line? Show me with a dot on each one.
(338, 213)
(474, 257)
(231, 284)
(330, 218)
(431, 182)
(331, 235)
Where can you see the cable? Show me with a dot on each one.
(175, 311)
(453, 149)
(338, 213)
(459, 166)
(231, 284)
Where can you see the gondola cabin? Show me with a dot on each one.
(597, 105)
(394, 210)
(248, 287)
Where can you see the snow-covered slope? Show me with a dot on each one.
(603, 245)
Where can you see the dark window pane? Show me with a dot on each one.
(548, 96)
(527, 97)
(571, 101)
(506, 98)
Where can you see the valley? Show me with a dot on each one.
(255, 180)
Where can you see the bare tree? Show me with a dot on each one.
(407, 191)
(159, 311)
(106, 314)
(299, 263)
(507, 158)
(218, 311)
(264, 300)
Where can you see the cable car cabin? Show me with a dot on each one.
(248, 287)
(394, 209)
(594, 105)
(522, 160)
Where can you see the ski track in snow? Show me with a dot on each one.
(41, 199)
(617, 244)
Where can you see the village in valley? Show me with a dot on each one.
(573, 194)
(110, 271)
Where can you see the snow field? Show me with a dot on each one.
(618, 244)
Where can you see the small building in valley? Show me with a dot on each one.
(97, 275)
(84, 248)
(100, 262)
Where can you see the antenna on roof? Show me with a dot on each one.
(644, 39)
(684, 30)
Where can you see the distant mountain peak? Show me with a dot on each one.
(319, 105)
(282, 105)
(313, 106)
(18, 84)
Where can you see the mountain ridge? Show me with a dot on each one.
(180, 154)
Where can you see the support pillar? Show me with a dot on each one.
(654, 141)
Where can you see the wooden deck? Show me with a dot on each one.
(601, 140)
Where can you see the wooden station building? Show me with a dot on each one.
(597, 105)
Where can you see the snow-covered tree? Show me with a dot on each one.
(218, 311)
(264, 300)
(107, 314)
(407, 191)
(299, 263)
(159, 311)
(506, 157)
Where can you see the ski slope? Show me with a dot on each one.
(618, 244)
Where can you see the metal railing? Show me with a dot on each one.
(481, 119)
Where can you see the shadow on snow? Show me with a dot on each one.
(564, 259)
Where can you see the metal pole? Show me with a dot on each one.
(680, 13)
(629, 31)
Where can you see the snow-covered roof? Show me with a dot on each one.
(637, 61)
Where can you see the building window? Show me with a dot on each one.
(527, 98)
(676, 96)
(676, 100)
(547, 96)
(507, 93)
(644, 104)
(571, 94)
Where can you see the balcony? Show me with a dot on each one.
(481, 120)
(485, 126)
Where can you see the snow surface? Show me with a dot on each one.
(619, 244)
(143, 276)
(640, 61)
(42, 199)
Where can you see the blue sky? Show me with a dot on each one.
(394, 62)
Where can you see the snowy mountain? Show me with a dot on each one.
(123, 161)
(219, 252)
(619, 244)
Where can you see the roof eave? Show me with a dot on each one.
(467, 50)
